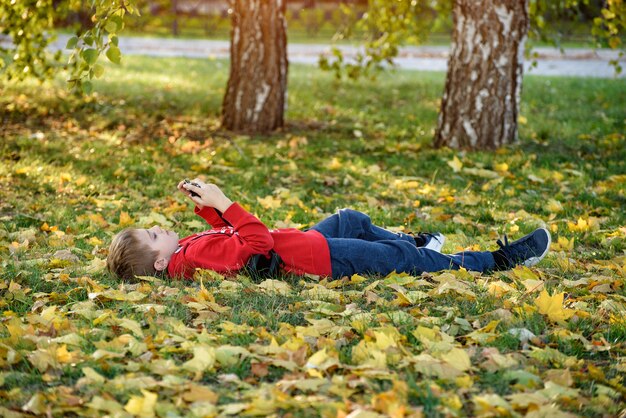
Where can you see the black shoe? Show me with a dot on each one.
(431, 241)
(527, 251)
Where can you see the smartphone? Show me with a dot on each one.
(186, 181)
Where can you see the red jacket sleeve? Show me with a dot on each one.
(251, 230)
(224, 253)
(211, 216)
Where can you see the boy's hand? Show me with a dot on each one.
(209, 195)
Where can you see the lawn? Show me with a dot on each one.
(546, 341)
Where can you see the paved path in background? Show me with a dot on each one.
(550, 61)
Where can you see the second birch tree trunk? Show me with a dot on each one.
(480, 105)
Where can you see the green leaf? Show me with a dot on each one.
(90, 56)
(87, 87)
(71, 43)
(88, 40)
(114, 24)
(98, 70)
(114, 54)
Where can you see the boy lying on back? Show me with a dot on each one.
(341, 245)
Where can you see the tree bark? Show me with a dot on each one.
(480, 104)
(255, 96)
(175, 21)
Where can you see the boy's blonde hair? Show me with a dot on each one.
(128, 257)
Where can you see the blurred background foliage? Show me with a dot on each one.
(381, 25)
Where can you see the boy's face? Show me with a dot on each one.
(160, 240)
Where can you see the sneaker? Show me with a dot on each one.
(527, 251)
(433, 241)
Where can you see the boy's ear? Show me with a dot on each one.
(160, 264)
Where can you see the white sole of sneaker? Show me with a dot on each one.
(534, 260)
(436, 243)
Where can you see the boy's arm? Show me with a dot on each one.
(226, 253)
(211, 216)
(249, 229)
(209, 199)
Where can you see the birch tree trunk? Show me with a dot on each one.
(255, 96)
(480, 104)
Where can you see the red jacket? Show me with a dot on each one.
(236, 235)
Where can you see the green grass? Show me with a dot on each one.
(71, 166)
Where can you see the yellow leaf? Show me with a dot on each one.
(557, 176)
(101, 404)
(523, 273)
(465, 381)
(583, 225)
(197, 393)
(321, 360)
(552, 306)
(405, 184)
(203, 359)
(98, 219)
(319, 292)
(491, 326)
(449, 284)
(614, 42)
(501, 168)
(334, 164)
(356, 279)
(554, 206)
(499, 288)
(269, 202)
(64, 356)
(428, 365)
(155, 218)
(386, 338)
(131, 325)
(469, 199)
(608, 14)
(522, 120)
(275, 286)
(142, 406)
(491, 184)
(533, 285)
(481, 172)
(368, 355)
(125, 219)
(427, 333)
(491, 405)
(457, 358)
(563, 244)
(36, 404)
(93, 375)
(23, 170)
(115, 294)
(228, 355)
(95, 241)
(455, 164)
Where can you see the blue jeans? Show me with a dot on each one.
(357, 246)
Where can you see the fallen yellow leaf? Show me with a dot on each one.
(552, 306)
(142, 406)
(269, 202)
(455, 164)
(203, 359)
(125, 219)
